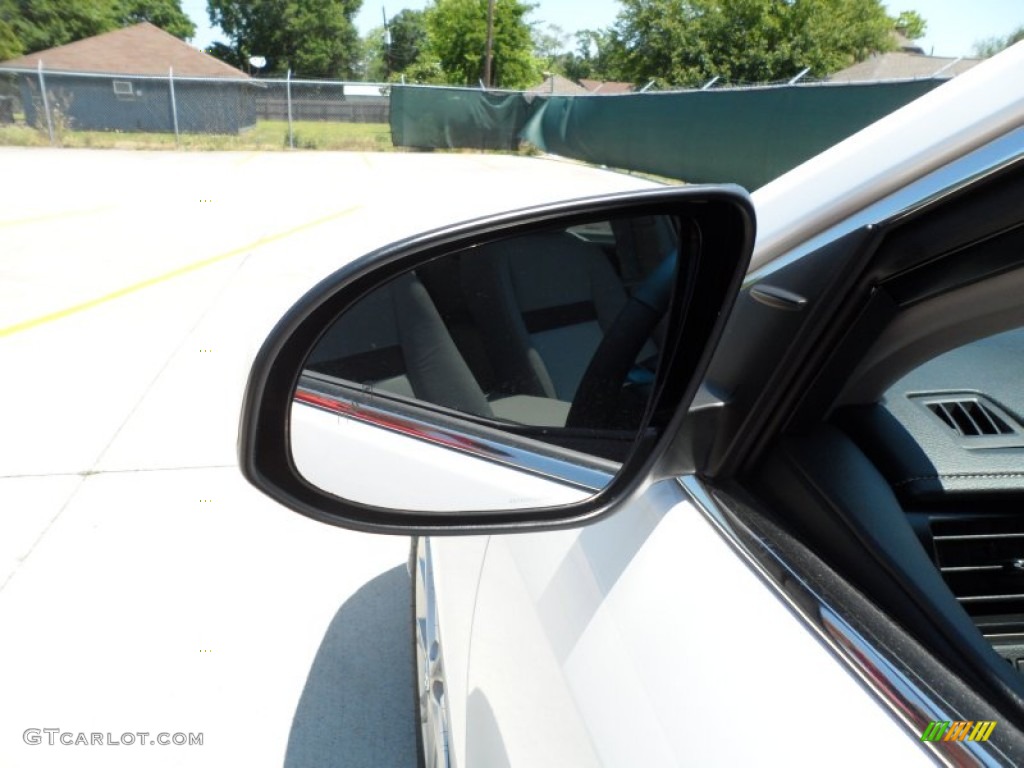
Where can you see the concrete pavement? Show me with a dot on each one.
(144, 586)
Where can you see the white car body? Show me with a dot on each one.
(603, 645)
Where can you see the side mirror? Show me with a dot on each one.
(513, 373)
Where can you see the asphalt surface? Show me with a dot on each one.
(145, 587)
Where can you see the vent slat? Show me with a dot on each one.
(970, 568)
(981, 558)
(940, 410)
(968, 426)
(970, 417)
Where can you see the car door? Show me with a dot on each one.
(540, 644)
(761, 559)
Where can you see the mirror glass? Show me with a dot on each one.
(512, 374)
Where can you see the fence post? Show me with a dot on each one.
(799, 75)
(46, 101)
(174, 104)
(291, 135)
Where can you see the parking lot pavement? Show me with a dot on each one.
(144, 586)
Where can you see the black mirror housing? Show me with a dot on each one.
(716, 228)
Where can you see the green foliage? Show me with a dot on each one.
(549, 46)
(314, 38)
(166, 14)
(41, 24)
(993, 45)
(407, 32)
(911, 25)
(457, 37)
(426, 70)
(408, 39)
(373, 64)
(10, 46)
(591, 58)
(687, 42)
(27, 26)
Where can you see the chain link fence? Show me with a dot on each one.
(747, 134)
(70, 108)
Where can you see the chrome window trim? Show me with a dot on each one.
(964, 171)
(909, 699)
(578, 470)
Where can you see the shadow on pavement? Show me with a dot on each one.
(357, 707)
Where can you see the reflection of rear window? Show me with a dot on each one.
(601, 231)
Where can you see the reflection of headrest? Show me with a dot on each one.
(394, 339)
(543, 302)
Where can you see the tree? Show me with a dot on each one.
(373, 59)
(457, 38)
(310, 37)
(911, 25)
(408, 39)
(166, 14)
(591, 57)
(10, 45)
(687, 42)
(993, 45)
(42, 24)
(29, 26)
(549, 44)
(389, 52)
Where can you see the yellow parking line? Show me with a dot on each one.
(51, 216)
(27, 324)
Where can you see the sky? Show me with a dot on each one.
(953, 25)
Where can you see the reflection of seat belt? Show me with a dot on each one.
(625, 253)
(633, 237)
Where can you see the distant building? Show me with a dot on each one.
(563, 86)
(607, 87)
(558, 85)
(907, 63)
(118, 81)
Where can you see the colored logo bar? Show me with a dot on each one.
(959, 730)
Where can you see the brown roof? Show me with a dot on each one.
(606, 86)
(560, 86)
(902, 66)
(142, 49)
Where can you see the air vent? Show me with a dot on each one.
(974, 420)
(970, 418)
(982, 561)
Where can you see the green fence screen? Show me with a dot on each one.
(746, 136)
(456, 118)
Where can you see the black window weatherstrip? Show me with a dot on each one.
(567, 467)
(977, 261)
(853, 629)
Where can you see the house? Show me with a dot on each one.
(120, 81)
(563, 86)
(908, 62)
(607, 87)
(557, 85)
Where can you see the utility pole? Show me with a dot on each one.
(387, 44)
(488, 53)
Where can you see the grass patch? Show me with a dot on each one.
(309, 134)
(22, 136)
(266, 134)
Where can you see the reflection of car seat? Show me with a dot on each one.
(543, 303)
(394, 340)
